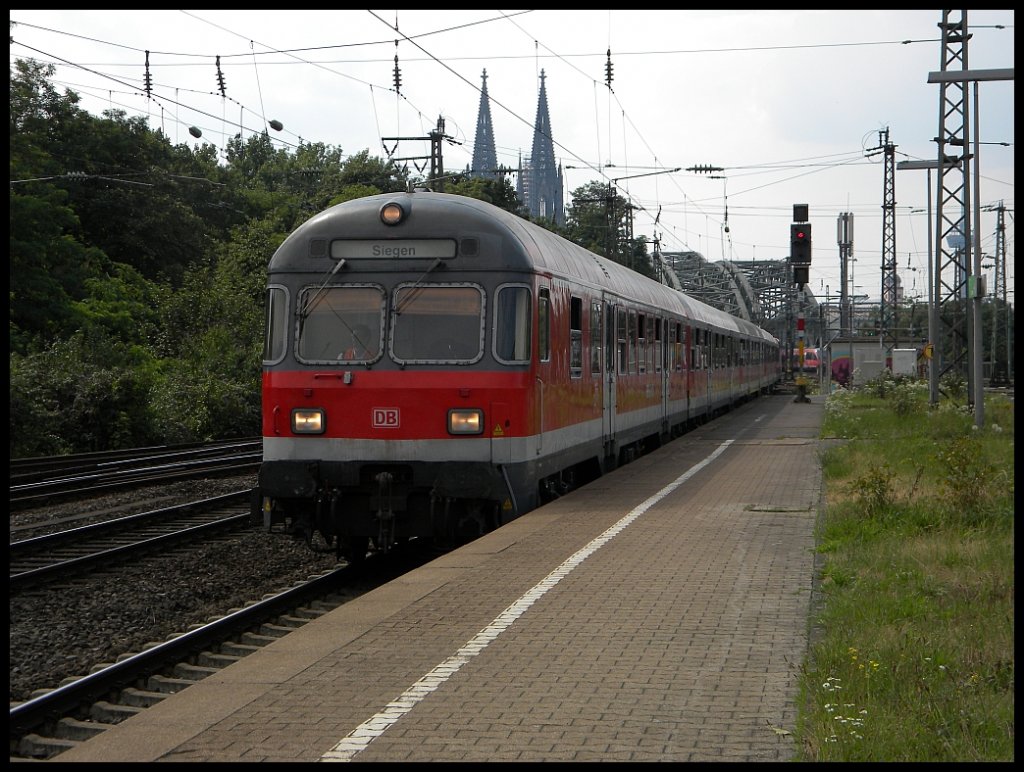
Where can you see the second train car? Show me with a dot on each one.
(435, 366)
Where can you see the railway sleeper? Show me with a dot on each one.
(141, 698)
(36, 746)
(106, 713)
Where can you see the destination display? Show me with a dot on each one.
(401, 249)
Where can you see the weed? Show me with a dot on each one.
(875, 489)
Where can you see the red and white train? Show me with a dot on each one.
(435, 366)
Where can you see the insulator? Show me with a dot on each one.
(220, 77)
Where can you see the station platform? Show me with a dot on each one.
(660, 613)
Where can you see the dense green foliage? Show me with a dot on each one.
(138, 268)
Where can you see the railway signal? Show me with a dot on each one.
(800, 243)
(800, 251)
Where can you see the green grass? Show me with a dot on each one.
(911, 655)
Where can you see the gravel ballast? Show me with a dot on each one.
(62, 630)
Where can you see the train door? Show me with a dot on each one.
(543, 363)
(610, 367)
(513, 327)
(663, 364)
(597, 356)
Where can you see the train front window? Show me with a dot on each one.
(340, 324)
(431, 323)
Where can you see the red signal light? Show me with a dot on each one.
(800, 243)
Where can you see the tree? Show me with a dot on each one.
(586, 218)
(498, 191)
(601, 221)
(138, 267)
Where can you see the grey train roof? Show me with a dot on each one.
(538, 248)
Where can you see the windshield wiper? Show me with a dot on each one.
(308, 307)
(418, 285)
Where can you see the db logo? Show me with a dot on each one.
(385, 417)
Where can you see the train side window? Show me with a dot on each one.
(631, 340)
(575, 337)
(544, 325)
(275, 340)
(641, 341)
(595, 338)
(620, 333)
(512, 324)
(659, 346)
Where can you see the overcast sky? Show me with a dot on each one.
(793, 106)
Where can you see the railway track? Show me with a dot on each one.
(72, 594)
(57, 719)
(64, 553)
(41, 481)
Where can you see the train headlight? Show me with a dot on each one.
(463, 421)
(308, 420)
(392, 213)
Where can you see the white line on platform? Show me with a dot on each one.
(364, 734)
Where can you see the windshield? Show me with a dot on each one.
(437, 322)
(344, 324)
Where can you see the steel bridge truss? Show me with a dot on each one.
(760, 291)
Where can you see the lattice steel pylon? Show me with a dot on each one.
(890, 282)
(952, 223)
(1000, 357)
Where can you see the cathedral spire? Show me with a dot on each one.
(485, 159)
(541, 181)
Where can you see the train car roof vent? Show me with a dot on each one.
(318, 247)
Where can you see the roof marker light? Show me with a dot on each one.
(392, 213)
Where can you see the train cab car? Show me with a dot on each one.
(435, 366)
(811, 361)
